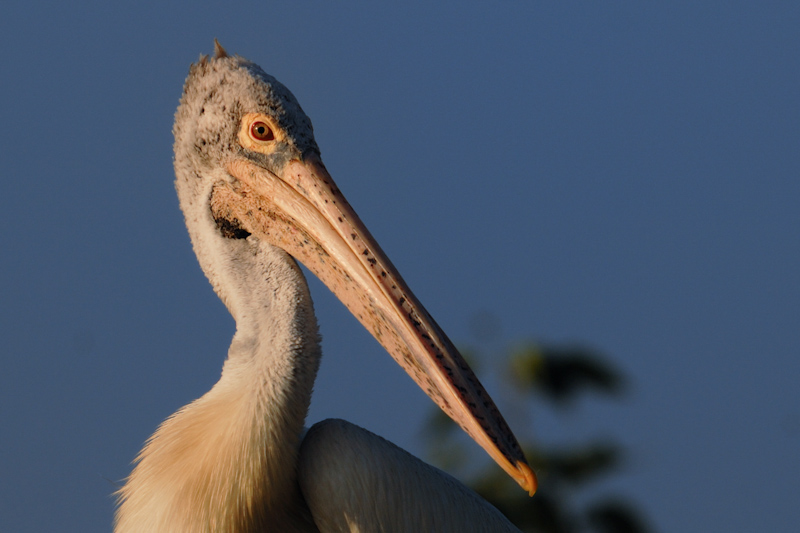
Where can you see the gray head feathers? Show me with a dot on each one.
(218, 91)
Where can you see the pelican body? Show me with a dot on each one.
(257, 198)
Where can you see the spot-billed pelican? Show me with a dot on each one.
(257, 197)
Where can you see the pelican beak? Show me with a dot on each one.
(303, 212)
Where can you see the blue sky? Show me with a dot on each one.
(623, 176)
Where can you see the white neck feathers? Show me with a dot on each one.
(226, 461)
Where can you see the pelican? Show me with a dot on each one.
(257, 198)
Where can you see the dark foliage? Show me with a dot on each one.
(560, 375)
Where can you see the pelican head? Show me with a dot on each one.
(249, 174)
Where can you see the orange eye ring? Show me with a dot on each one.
(261, 131)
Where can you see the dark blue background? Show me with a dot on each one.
(623, 175)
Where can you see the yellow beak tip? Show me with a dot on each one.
(527, 479)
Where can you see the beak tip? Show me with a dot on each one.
(527, 478)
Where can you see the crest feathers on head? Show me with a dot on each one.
(219, 52)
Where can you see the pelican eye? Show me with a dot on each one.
(261, 131)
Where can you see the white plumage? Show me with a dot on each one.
(256, 197)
